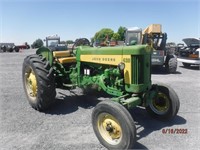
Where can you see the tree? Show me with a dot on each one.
(37, 44)
(103, 35)
(115, 37)
(62, 42)
(69, 42)
(92, 40)
(121, 31)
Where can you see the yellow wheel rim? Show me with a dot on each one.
(160, 104)
(31, 84)
(109, 128)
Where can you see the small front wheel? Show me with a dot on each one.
(165, 104)
(113, 125)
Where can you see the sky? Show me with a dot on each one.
(27, 20)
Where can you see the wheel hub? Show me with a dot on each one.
(110, 128)
(160, 104)
(31, 84)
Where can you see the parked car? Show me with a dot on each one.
(190, 54)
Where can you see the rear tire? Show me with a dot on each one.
(38, 82)
(165, 105)
(113, 125)
(171, 64)
(16, 49)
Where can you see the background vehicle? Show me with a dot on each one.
(23, 46)
(10, 47)
(123, 72)
(190, 55)
(53, 43)
(153, 36)
(7, 47)
(178, 47)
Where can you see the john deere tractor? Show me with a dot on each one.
(123, 72)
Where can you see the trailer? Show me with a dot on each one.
(23, 46)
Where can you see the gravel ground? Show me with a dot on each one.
(67, 125)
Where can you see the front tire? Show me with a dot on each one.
(113, 125)
(38, 82)
(165, 105)
(3, 47)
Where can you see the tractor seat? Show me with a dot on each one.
(64, 57)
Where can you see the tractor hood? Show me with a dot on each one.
(191, 41)
(118, 50)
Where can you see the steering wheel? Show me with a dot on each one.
(79, 42)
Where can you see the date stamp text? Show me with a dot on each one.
(174, 131)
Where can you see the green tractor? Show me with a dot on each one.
(123, 72)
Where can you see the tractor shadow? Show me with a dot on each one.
(67, 103)
(145, 124)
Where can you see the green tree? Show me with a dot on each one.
(121, 31)
(103, 35)
(116, 37)
(62, 42)
(37, 44)
(92, 40)
(69, 42)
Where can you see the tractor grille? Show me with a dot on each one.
(137, 69)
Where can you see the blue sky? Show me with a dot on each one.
(27, 20)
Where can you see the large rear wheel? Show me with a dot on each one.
(38, 81)
(113, 125)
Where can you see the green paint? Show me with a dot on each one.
(118, 50)
(47, 53)
(108, 78)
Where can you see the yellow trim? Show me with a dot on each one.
(67, 60)
(61, 53)
(127, 69)
(111, 60)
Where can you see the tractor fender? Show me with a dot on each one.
(47, 53)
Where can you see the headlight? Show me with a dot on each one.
(121, 66)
